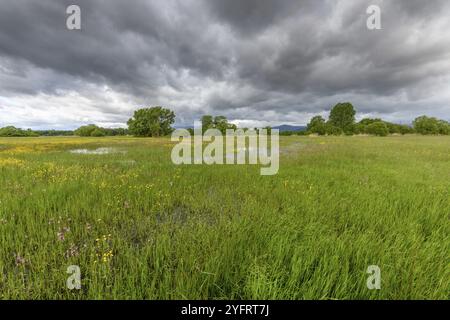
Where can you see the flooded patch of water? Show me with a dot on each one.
(97, 151)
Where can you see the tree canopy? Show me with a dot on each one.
(317, 125)
(219, 122)
(151, 122)
(426, 125)
(378, 128)
(343, 116)
(86, 131)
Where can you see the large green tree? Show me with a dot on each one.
(151, 122)
(343, 116)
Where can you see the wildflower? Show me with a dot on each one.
(73, 251)
(60, 236)
(20, 261)
(107, 256)
(62, 232)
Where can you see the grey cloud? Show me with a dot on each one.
(258, 59)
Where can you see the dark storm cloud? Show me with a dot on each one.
(255, 16)
(265, 60)
(123, 43)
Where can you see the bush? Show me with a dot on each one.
(98, 133)
(443, 127)
(86, 131)
(92, 130)
(317, 125)
(378, 129)
(332, 130)
(426, 125)
(404, 129)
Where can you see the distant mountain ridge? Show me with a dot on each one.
(286, 127)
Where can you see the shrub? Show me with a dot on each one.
(378, 129)
(443, 127)
(333, 130)
(86, 131)
(98, 133)
(317, 125)
(426, 125)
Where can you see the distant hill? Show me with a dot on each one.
(286, 127)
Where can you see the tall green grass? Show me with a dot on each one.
(140, 227)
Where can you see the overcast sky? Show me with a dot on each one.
(257, 62)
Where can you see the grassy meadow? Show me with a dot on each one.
(140, 227)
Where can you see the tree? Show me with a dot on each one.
(151, 122)
(378, 129)
(426, 125)
(219, 122)
(343, 116)
(317, 125)
(207, 122)
(443, 127)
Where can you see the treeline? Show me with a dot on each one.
(11, 131)
(92, 130)
(158, 121)
(84, 131)
(342, 121)
(54, 133)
